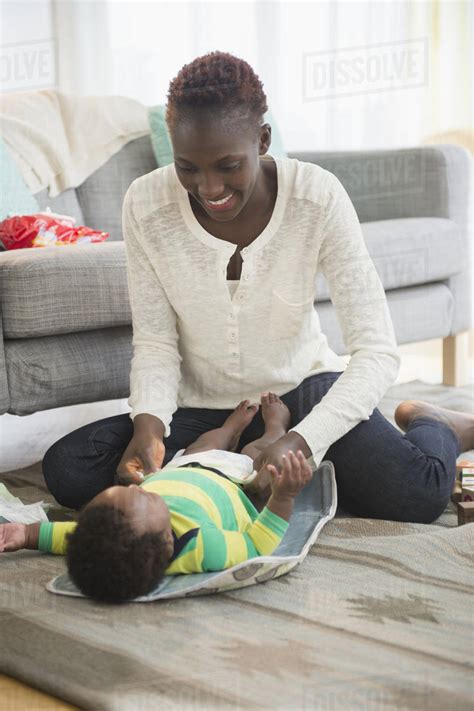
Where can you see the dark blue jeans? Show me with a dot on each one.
(380, 472)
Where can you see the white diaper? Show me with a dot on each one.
(238, 467)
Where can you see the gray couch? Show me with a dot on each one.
(65, 316)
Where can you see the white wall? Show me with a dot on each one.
(141, 46)
(135, 49)
(28, 48)
(25, 20)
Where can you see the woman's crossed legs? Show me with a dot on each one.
(380, 472)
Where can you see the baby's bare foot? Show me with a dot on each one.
(238, 421)
(460, 422)
(275, 414)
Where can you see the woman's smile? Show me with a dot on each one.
(228, 202)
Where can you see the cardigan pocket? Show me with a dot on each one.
(288, 319)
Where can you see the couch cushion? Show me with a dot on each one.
(65, 370)
(63, 289)
(87, 286)
(419, 313)
(409, 251)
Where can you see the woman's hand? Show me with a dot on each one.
(273, 455)
(13, 537)
(144, 455)
(270, 455)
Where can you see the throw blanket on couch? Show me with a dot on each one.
(58, 140)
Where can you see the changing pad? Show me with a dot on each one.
(314, 506)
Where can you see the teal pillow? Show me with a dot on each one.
(15, 197)
(161, 142)
(160, 137)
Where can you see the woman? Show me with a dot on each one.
(223, 248)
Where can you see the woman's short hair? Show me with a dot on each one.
(217, 80)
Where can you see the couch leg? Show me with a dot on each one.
(456, 361)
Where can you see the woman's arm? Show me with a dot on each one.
(155, 367)
(363, 314)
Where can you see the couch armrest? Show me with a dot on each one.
(424, 181)
(54, 290)
(457, 172)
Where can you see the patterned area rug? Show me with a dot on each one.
(378, 616)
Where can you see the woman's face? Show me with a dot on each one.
(218, 163)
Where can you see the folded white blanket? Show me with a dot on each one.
(13, 510)
(58, 139)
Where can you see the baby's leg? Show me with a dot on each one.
(214, 439)
(225, 437)
(276, 417)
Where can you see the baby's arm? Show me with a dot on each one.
(222, 549)
(16, 536)
(41, 535)
(32, 535)
(287, 484)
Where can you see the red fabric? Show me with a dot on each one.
(44, 229)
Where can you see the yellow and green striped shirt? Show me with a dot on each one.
(215, 525)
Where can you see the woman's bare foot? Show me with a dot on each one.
(238, 421)
(460, 422)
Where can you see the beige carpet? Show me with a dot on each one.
(379, 616)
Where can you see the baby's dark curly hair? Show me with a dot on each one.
(217, 80)
(108, 561)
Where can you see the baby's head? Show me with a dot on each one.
(122, 544)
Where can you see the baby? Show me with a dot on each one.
(188, 517)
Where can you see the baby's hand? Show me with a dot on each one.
(12, 537)
(295, 474)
